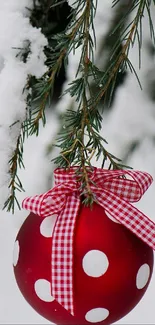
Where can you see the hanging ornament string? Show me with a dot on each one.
(113, 192)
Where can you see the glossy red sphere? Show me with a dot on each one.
(112, 268)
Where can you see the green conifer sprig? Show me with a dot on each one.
(15, 162)
(80, 140)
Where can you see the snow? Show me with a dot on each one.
(15, 33)
(133, 109)
(131, 119)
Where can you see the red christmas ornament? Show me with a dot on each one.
(111, 268)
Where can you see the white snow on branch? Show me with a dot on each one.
(16, 33)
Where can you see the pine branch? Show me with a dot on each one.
(88, 117)
(44, 88)
(79, 139)
(84, 120)
(122, 62)
(15, 183)
(86, 57)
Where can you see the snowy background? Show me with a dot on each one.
(131, 120)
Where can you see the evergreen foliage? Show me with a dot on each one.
(79, 139)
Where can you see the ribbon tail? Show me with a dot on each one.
(129, 216)
(62, 254)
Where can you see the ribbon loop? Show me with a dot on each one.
(50, 202)
(114, 190)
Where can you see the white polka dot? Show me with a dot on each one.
(47, 226)
(95, 263)
(16, 253)
(142, 276)
(110, 217)
(42, 288)
(97, 315)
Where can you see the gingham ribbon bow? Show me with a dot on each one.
(113, 192)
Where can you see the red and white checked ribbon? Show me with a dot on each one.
(113, 192)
